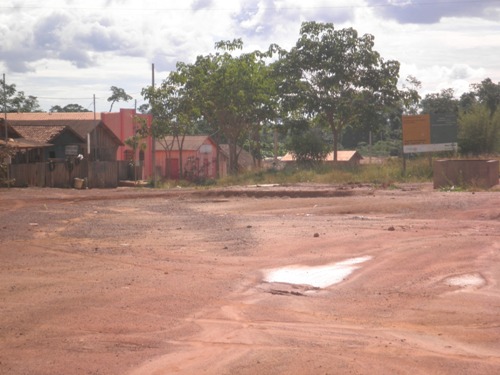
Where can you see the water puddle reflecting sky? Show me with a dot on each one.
(319, 276)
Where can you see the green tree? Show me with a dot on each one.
(410, 98)
(175, 113)
(5, 153)
(159, 99)
(235, 93)
(336, 75)
(69, 108)
(443, 102)
(479, 131)
(136, 142)
(488, 93)
(306, 143)
(118, 94)
(17, 101)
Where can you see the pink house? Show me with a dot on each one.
(125, 124)
(199, 158)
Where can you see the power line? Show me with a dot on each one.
(228, 9)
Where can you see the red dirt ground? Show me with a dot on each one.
(140, 281)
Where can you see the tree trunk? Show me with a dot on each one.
(180, 145)
(335, 132)
(336, 128)
(233, 158)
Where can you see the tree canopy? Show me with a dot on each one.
(118, 94)
(17, 101)
(234, 93)
(336, 77)
(69, 108)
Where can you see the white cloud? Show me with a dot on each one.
(72, 49)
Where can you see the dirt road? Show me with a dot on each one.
(143, 282)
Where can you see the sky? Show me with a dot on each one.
(68, 51)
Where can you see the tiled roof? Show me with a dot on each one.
(46, 130)
(24, 143)
(43, 130)
(45, 116)
(11, 132)
(37, 133)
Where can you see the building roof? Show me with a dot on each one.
(23, 143)
(11, 132)
(43, 130)
(344, 155)
(42, 133)
(45, 116)
(245, 159)
(191, 142)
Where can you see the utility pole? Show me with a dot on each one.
(153, 140)
(5, 126)
(5, 110)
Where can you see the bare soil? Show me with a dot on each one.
(141, 282)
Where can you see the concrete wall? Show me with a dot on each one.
(480, 173)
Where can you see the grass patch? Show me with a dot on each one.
(386, 174)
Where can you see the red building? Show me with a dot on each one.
(125, 125)
(198, 158)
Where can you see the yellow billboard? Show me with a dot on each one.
(416, 130)
(430, 133)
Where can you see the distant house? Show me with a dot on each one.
(64, 147)
(124, 125)
(58, 138)
(343, 158)
(26, 150)
(245, 159)
(69, 134)
(198, 157)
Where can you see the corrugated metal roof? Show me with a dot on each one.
(191, 142)
(344, 155)
(245, 159)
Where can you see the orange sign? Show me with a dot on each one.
(416, 130)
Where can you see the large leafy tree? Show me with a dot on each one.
(236, 93)
(175, 113)
(160, 100)
(479, 131)
(479, 119)
(306, 143)
(337, 76)
(17, 101)
(488, 93)
(443, 102)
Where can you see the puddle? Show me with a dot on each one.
(319, 276)
(466, 280)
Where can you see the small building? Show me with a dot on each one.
(124, 125)
(66, 146)
(69, 133)
(198, 155)
(344, 157)
(60, 139)
(245, 159)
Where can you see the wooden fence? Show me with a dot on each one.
(62, 174)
